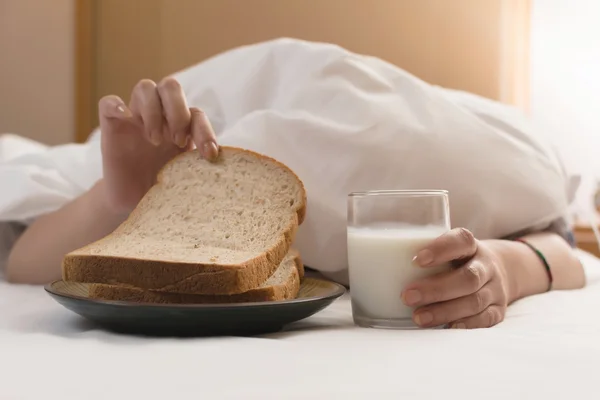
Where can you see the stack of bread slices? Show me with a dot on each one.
(206, 232)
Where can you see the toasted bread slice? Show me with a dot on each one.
(284, 284)
(208, 228)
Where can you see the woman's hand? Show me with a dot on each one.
(473, 294)
(138, 139)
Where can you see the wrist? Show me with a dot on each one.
(508, 256)
(524, 272)
(99, 202)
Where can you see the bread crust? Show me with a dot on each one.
(283, 291)
(182, 277)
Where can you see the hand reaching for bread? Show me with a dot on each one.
(140, 138)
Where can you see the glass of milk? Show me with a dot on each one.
(386, 229)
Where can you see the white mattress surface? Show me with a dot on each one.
(547, 348)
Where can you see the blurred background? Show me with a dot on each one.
(58, 57)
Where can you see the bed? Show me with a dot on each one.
(548, 347)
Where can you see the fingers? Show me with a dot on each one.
(489, 317)
(453, 245)
(146, 104)
(176, 111)
(203, 134)
(183, 121)
(453, 310)
(163, 112)
(447, 286)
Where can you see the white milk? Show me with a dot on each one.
(380, 266)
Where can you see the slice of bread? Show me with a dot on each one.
(208, 228)
(284, 284)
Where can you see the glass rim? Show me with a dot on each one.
(400, 193)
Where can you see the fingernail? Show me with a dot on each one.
(181, 140)
(412, 297)
(124, 110)
(423, 258)
(155, 138)
(423, 318)
(211, 151)
(459, 325)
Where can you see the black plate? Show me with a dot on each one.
(196, 319)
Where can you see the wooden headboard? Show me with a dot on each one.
(473, 45)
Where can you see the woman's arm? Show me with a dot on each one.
(525, 271)
(37, 255)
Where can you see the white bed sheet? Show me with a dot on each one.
(547, 348)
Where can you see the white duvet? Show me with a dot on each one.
(343, 122)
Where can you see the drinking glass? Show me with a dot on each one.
(385, 231)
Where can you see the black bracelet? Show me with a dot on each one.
(541, 257)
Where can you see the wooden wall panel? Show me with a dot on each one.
(37, 58)
(471, 45)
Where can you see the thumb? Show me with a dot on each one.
(112, 107)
